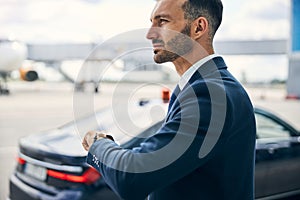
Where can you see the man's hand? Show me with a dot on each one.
(91, 136)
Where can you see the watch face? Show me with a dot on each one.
(99, 136)
(110, 137)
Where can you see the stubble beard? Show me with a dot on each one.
(178, 46)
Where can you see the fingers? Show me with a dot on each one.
(85, 145)
(85, 142)
(89, 139)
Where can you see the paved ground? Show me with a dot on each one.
(35, 107)
(274, 99)
(39, 106)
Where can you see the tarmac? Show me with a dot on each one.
(34, 107)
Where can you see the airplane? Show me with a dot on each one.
(12, 55)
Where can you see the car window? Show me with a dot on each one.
(268, 128)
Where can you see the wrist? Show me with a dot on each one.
(99, 136)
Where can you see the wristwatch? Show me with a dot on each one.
(99, 136)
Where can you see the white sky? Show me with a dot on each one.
(55, 21)
(88, 20)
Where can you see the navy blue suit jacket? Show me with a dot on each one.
(204, 150)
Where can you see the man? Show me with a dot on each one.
(205, 148)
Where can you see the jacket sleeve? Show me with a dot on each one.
(165, 157)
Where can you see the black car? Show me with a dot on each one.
(51, 165)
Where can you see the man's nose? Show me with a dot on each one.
(152, 33)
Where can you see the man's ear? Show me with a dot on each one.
(199, 27)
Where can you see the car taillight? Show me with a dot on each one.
(88, 177)
(21, 161)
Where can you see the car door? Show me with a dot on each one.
(281, 156)
(262, 162)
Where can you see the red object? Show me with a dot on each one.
(21, 161)
(165, 95)
(291, 96)
(88, 177)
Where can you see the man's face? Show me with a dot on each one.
(169, 31)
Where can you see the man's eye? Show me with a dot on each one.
(162, 21)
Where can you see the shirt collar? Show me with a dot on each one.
(189, 73)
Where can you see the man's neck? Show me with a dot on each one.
(183, 63)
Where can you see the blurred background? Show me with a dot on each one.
(50, 49)
(47, 25)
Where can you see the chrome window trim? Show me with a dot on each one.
(281, 195)
(75, 169)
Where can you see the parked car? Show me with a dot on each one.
(51, 165)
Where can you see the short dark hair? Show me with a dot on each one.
(212, 10)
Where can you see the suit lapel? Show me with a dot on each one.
(173, 97)
(210, 66)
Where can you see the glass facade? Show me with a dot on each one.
(295, 25)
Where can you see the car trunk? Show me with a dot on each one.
(60, 147)
(57, 159)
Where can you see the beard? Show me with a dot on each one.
(176, 47)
